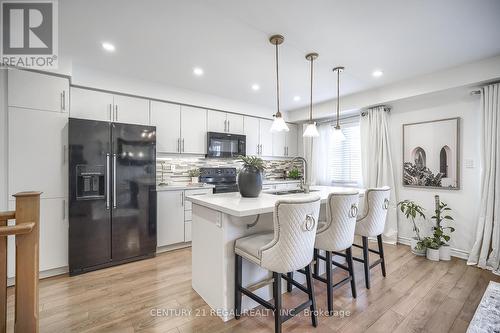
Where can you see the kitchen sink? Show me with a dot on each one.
(290, 192)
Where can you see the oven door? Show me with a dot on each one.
(225, 145)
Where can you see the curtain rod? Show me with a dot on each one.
(386, 109)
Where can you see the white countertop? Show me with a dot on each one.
(180, 187)
(235, 205)
(280, 181)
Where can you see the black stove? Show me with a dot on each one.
(224, 179)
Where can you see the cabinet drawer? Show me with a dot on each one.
(188, 215)
(188, 205)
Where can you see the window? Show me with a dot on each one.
(344, 161)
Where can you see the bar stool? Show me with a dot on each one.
(334, 235)
(371, 224)
(288, 248)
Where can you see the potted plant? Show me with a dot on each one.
(294, 173)
(440, 215)
(432, 245)
(194, 174)
(250, 176)
(411, 211)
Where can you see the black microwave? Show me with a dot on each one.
(225, 145)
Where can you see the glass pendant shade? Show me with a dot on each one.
(279, 125)
(311, 131)
(338, 135)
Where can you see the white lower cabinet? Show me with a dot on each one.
(170, 217)
(53, 236)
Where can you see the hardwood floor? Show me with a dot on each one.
(416, 296)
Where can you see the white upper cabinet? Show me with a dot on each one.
(167, 119)
(91, 104)
(292, 140)
(38, 91)
(235, 123)
(266, 137)
(37, 152)
(193, 130)
(131, 110)
(224, 122)
(279, 144)
(217, 121)
(252, 135)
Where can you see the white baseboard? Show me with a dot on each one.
(172, 247)
(42, 275)
(453, 251)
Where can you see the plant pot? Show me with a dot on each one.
(194, 180)
(249, 182)
(433, 254)
(414, 250)
(444, 252)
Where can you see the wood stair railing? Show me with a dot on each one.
(27, 232)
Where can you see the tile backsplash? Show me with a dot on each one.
(175, 168)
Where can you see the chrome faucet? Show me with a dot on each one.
(304, 185)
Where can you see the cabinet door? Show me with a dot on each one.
(252, 135)
(167, 119)
(266, 137)
(292, 140)
(170, 217)
(37, 152)
(131, 110)
(91, 104)
(216, 121)
(235, 123)
(38, 91)
(279, 145)
(53, 235)
(193, 130)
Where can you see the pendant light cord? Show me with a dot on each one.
(311, 93)
(338, 99)
(278, 113)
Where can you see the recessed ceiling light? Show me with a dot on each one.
(197, 71)
(296, 98)
(255, 87)
(377, 73)
(108, 47)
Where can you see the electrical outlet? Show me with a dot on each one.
(469, 164)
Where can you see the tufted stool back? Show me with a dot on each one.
(372, 222)
(337, 234)
(295, 224)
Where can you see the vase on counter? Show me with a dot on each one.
(194, 180)
(250, 181)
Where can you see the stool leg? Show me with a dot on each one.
(277, 302)
(381, 252)
(237, 286)
(366, 262)
(316, 262)
(329, 284)
(348, 253)
(310, 293)
(289, 284)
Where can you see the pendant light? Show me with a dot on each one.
(311, 130)
(337, 132)
(279, 124)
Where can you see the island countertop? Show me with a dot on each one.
(234, 204)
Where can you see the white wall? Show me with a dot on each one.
(3, 140)
(98, 79)
(464, 202)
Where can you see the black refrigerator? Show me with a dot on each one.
(112, 186)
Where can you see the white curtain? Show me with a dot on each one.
(376, 162)
(320, 155)
(486, 250)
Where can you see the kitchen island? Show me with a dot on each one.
(217, 221)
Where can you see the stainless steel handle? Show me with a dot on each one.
(110, 111)
(228, 126)
(63, 100)
(108, 171)
(225, 125)
(114, 181)
(182, 199)
(64, 210)
(182, 144)
(64, 154)
(116, 112)
(284, 151)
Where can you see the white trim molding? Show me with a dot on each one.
(454, 252)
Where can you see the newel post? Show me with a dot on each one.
(27, 211)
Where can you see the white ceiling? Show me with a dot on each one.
(161, 41)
